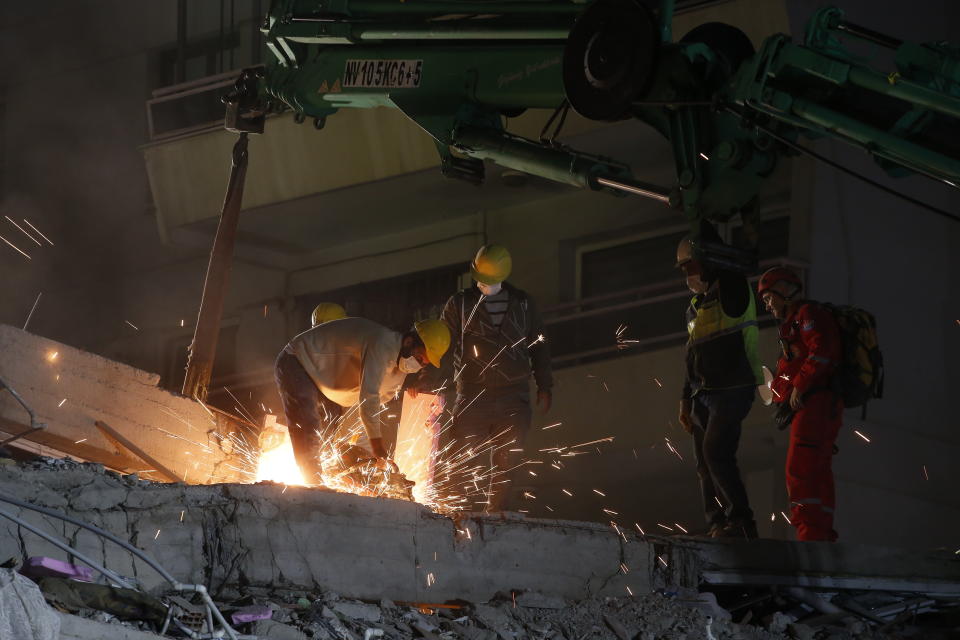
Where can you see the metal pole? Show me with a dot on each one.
(666, 20)
(204, 345)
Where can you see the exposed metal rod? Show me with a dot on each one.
(869, 35)
(119, 439)
(34, 425)
(637, 189)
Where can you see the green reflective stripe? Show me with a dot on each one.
(710, 323)
(725, 332)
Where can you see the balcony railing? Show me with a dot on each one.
(188, 108)
(628, 321)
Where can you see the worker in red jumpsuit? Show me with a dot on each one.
(810, 339)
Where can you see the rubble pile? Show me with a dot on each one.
(247, 543)
(533, 616)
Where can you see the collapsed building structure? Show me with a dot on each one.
(163, 506)
(294, 562)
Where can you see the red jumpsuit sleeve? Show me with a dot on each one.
(781, 384)
(821, 337)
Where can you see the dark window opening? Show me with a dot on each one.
(632, 292)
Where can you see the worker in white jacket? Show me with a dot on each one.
(347, 362)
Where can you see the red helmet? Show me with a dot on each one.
(774, 275)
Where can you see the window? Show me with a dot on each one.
(393, 302)
(214, 41)
(630, 290)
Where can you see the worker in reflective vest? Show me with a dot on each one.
(802, 389)
(723, 371)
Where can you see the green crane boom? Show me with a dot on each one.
(455, 68)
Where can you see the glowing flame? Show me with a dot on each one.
(276, 462)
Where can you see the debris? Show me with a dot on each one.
(616, 626)
(23, 613)
(271, 630)
(41, 566)
(125, 604)
(358, 610)
(251, 614)
(800, 631)
(537, 600)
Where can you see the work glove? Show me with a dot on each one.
(381, 458)
(784, 415)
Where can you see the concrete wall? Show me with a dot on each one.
(269, 536)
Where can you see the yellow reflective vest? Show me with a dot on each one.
(722, 350)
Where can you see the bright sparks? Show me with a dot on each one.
(52, 356)
(40, 233)
(861, 435)
(16, 248)
(61, 402)
(276, 462)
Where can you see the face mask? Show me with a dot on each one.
(409, 365)
(695, 284)
(489, 289)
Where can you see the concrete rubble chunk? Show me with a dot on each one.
(616, 626)
(537, 600)
(358, 611)
(77, 628)
(271, 630)
(24, 613)
(342, 631)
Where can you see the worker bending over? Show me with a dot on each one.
(497, 342)
(347, 362)
(722, 373)
(811, 344)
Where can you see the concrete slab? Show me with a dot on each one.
(268, 537)
(296, 538)
(70, 389)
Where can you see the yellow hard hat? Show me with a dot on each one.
(491, 265)
(436, 338)
(327, 311)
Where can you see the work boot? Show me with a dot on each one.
(739, 528)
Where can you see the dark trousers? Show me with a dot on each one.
(475, 448)
(717, 418)
(311, 416)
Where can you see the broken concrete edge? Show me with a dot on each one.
(216, 535)
(234, 538)
(70, 389)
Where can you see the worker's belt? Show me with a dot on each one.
(724, 332)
